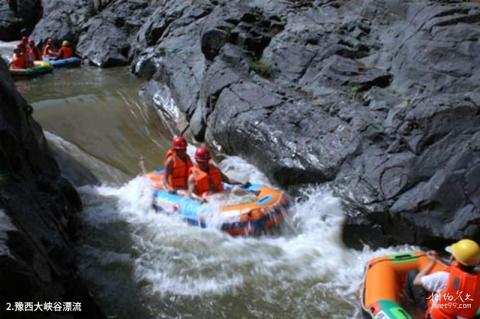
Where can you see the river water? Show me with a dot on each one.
(144, 265)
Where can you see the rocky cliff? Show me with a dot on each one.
(18, 17)
(377, 97)
(37, 209)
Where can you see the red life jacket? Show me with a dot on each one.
(19, 62)
(65, 53)
(179, 175)
(459, 298)
(207, 182)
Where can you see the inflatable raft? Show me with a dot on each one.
(70, 62)
(264, 209)
(39, 68)
(384, 282)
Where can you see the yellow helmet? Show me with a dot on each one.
(466, 252)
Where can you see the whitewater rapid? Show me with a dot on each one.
(144, 265)
(306, 271)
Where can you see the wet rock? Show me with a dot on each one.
(37, 207)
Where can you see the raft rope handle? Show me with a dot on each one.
(389, 258)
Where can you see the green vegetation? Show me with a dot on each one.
(261, 68)
(358, 92)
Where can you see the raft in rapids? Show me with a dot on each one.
(263, 208)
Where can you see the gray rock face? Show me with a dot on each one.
(378, 97)
(108, 35)
(37, 206)
(10, 25)
(62, 20)
(18, 17)
(102, 30)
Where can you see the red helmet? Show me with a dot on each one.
(202, 154)
(179, 143)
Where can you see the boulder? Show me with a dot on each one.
(106, 38)
(62, 20)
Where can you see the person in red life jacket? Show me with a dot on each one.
(48, 50)
(455, 292)
(34, 51)
(27, 59)
(65, 51)
(18, 59)
(24, 49)
(177, 165)
(205, 178)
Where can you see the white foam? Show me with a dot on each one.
(175, 258)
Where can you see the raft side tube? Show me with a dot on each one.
(69, 62)
(268, 209)
(385, 279)
(39, 68)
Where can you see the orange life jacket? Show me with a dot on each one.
(47, 50)
(459, 298)
(65, 53)
(19, 62)
(179, 175)
(207, 182)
